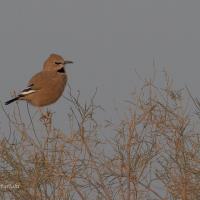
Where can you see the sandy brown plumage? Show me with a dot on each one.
(47, 86)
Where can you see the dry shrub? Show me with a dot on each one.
(153, 153)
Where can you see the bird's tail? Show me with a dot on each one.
(12, 100)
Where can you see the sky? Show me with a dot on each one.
(107, 40)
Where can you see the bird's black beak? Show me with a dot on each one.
(68, 62)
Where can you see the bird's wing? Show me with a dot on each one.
(27, 90)
(37, 82)
(41, 80)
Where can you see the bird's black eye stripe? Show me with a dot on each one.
(58, 63)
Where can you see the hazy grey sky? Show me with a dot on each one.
(107, 39)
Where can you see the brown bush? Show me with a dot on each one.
(153, 153)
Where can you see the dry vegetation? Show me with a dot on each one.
(152, 154)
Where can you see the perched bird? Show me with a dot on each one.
(47, 86)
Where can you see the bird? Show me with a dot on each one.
(47, 86)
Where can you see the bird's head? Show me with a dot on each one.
(55, 63)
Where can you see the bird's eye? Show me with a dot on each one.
(58, 63)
